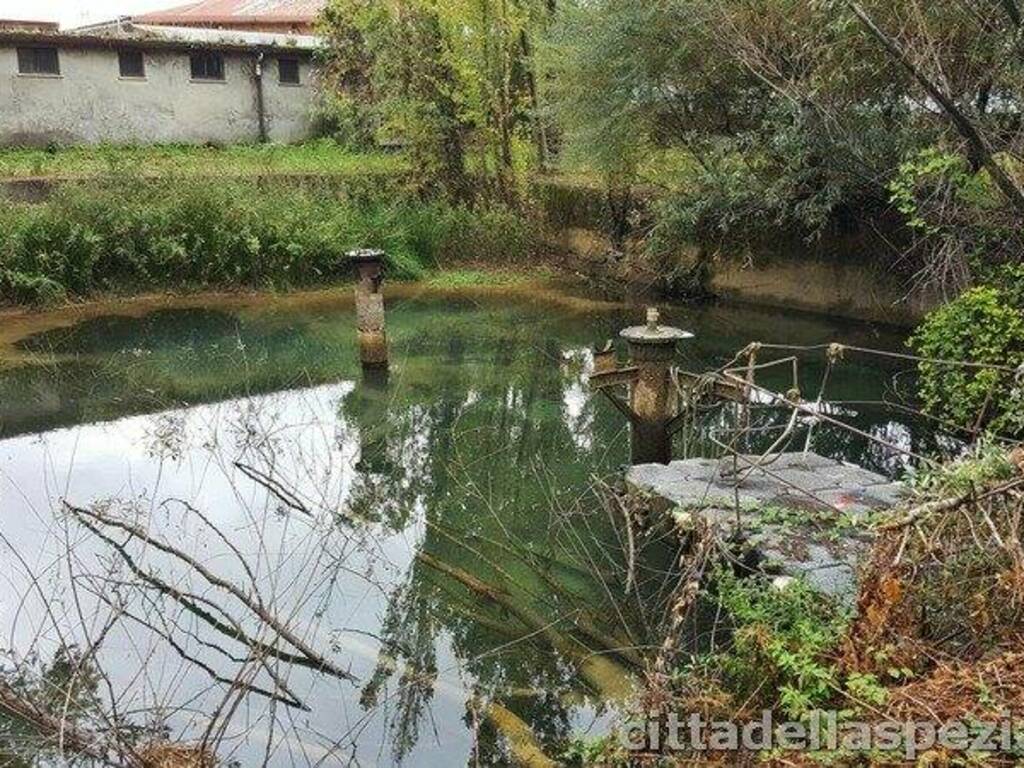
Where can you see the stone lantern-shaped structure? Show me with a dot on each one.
(653, 403)
(368, 403)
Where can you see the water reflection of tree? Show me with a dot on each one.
(470, 462)
(409, 653)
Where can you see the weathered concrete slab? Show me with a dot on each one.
(798, 514)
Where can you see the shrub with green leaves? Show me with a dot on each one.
(984, 325)
(782, 639)
(131, 234)
(346, 121)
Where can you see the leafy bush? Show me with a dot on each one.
(984, 325)
(987, 462)
(30, 289)
(494, 235)
(927, 170)
(566, 203)
(960, 226)
(781, 641)
(346, 121)
(132, 234)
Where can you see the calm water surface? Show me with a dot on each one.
(250, 440)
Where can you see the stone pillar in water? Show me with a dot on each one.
(652, 398)
(373, 340)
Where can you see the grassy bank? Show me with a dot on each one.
(319, 157)
(131, 235)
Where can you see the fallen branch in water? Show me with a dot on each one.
(607, 677)
(520, 737)
(308, 656)
(584, 620)
(278, 491)
(282, 694)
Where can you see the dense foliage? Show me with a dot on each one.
(754, 117)
(780, 644)
(451, 80)
(985, 325)
(137, 234)
(805, 117)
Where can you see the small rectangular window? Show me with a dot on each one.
(131, 64)
(288, 71)
(207, 66)
(38, 61)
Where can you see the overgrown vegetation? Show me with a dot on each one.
(934, 635)
(817, 118)
(778, 656)
(453, 82)
(129, 235)
(985, 326)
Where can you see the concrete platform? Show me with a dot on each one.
(798, 515)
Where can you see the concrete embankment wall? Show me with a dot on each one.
(845, 288)
(846, 274)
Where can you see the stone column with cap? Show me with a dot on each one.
(652, 398)
(373, 340)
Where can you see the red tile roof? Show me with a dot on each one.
(250, 14)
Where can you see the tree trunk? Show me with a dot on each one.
(540, 136)
(978, 144)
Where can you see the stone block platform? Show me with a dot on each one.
(798, 515)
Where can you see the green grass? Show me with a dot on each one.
(317, 157)
(473, 278)
(663, 168)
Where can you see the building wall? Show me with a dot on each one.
(89, 103)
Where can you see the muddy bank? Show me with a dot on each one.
(17, 323)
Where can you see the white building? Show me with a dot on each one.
(127, 83)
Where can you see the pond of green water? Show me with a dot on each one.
(250, 440)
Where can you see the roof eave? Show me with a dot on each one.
(10, 38)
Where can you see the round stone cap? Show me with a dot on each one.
(365, 255)
(653, 333)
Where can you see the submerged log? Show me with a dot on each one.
(519, 736)
(585, 620)
(605, 676)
